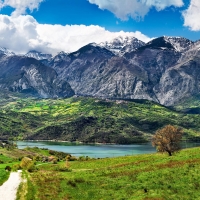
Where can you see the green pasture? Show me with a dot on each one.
(150, 176)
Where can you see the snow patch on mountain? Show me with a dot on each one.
(121, 45)
(179, 43)
(38, 55)
(6, 52)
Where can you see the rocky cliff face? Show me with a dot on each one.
(27, 75)
(182, 80)
(164, 70)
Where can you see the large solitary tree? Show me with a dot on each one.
(167, 139)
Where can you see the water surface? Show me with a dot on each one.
(95, 150)
(98, 150)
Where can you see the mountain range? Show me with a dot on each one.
(29, 76)
(164, 70)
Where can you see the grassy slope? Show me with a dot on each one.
(152, 176)
(13, 156)
(90, 120)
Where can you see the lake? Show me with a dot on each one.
(94, 151)
(97, 150)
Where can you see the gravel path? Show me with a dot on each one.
(8, 190)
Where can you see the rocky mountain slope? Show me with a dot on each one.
(28, 75)
(6, 51)
(164, 70)
(38, 55)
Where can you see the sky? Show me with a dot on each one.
(51, 26)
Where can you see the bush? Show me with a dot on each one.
(72, 183)
(16, 167)
(31, 167)
(62, 168)
(27, 164)
(72, 158)
(54, 161)
(82, 158)
(8, 168)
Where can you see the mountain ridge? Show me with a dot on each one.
(164, 70)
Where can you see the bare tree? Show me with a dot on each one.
(167, 139)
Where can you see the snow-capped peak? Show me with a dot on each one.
(6, 51)
(121, 45)
(179, 43)
(38, 55)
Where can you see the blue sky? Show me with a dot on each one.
(166, 22)
(44, 22)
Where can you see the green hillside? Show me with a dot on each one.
(88, 119)
(151, 176)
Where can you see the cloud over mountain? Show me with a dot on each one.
(134, 9)
(192, 16)
(23, 33)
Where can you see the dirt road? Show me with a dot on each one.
(8, 190)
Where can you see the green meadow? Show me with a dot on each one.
(150, 176)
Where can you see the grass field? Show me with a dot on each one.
(4, 161)
(151, 176)
(3, 174)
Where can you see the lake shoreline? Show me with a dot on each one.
(79, 142)
(91, 150)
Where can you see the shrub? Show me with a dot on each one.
(82, 158)
(72, 158)
(62, 168)
(16, 167)
(27, 164)
(72, 183)
(8, 168)
(53, 159)
(31, 167)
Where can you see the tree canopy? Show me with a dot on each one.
(167, 139)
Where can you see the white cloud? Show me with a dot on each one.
(192, 16)
(23, 33)
(20, 6)
(136, 9)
